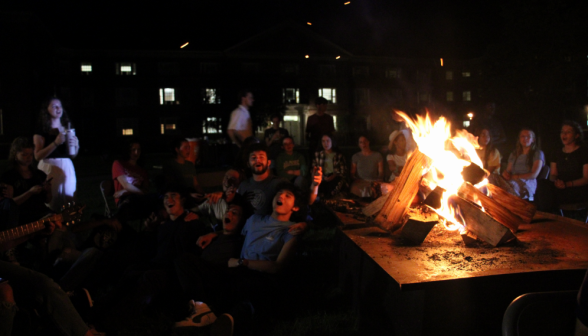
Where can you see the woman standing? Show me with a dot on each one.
(487, 152)
(54, 154)
(524, 164)
(333, 166)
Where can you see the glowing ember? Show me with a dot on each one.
(449, 156)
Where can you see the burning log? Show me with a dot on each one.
(407, 185)
(524, 209)
(469, 238)
(482, 225)
(418, 226)
(491, 206)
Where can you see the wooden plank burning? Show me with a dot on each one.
(524, 209)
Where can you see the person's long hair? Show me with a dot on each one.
(125, 151)
(532, 150)
(489, 149)
(18, 145)
(44, 120)
(577, 130)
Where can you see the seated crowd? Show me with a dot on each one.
(208, 258)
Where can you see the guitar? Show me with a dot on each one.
(68, 216)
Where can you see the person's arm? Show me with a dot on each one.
(267, 138)
(381, 171)
(42, 150)
(28, 194)
(575, 183)
(267, 266)
(507, 174)
(317, 177)
(129, 187)
(234, 137)
(392, 166)
(353, 170)
(537, 165)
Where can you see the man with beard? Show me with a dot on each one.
(261, 187)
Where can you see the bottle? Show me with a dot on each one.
(68, 134)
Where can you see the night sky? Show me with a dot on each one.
(422, 28)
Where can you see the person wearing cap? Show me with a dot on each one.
(400, 146)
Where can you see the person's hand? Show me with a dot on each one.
(6, 190)
(190, 216)
(151, 222)
(49, 228)
(214, 197)
(559, 184)
(73, 141)
(298, 228)
(205, 240)
(36, 189)
(317, 176)
(60, 139)
(233, 262)
(507, 175)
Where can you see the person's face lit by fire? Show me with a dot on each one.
(55, 109)
(400, 143)
(231, 176)
(484, 138)
(258, 162)
(184, 150)
(173, 203)
(135, 152)
(364, 143)
(232, 218)
(526, 138)
(327, 143)
(284, 202)
(568, 135)
(24, 158)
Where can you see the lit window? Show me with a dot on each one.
(291, 96)
(329, 94)
(449, 75)
(126, 69)
(449, 96)
(393, 73)
(209, 96)
(467, 96)
(167, 96)
(87, 68)
(362, 96)
(291, 118)
(361, 71)
(212, 125)
(165, 128)
(466, 74)
(127, 126)
(466, 123)
(127, 131)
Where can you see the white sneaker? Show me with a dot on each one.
(201, 316)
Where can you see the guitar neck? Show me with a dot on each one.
(27, 229)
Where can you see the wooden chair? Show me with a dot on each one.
(107, 190)
(546, 313)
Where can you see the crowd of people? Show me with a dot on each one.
(209, 258)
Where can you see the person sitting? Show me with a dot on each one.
(399, 148)
(487, 152)
(182, 172)
(291, 165)
(214, 209)
(267, 249)
(31, 189)
(367, 166)
(524, 164)
(333, 167)
(273, 137)
(568, 177)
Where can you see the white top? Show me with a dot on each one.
(239, 119)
